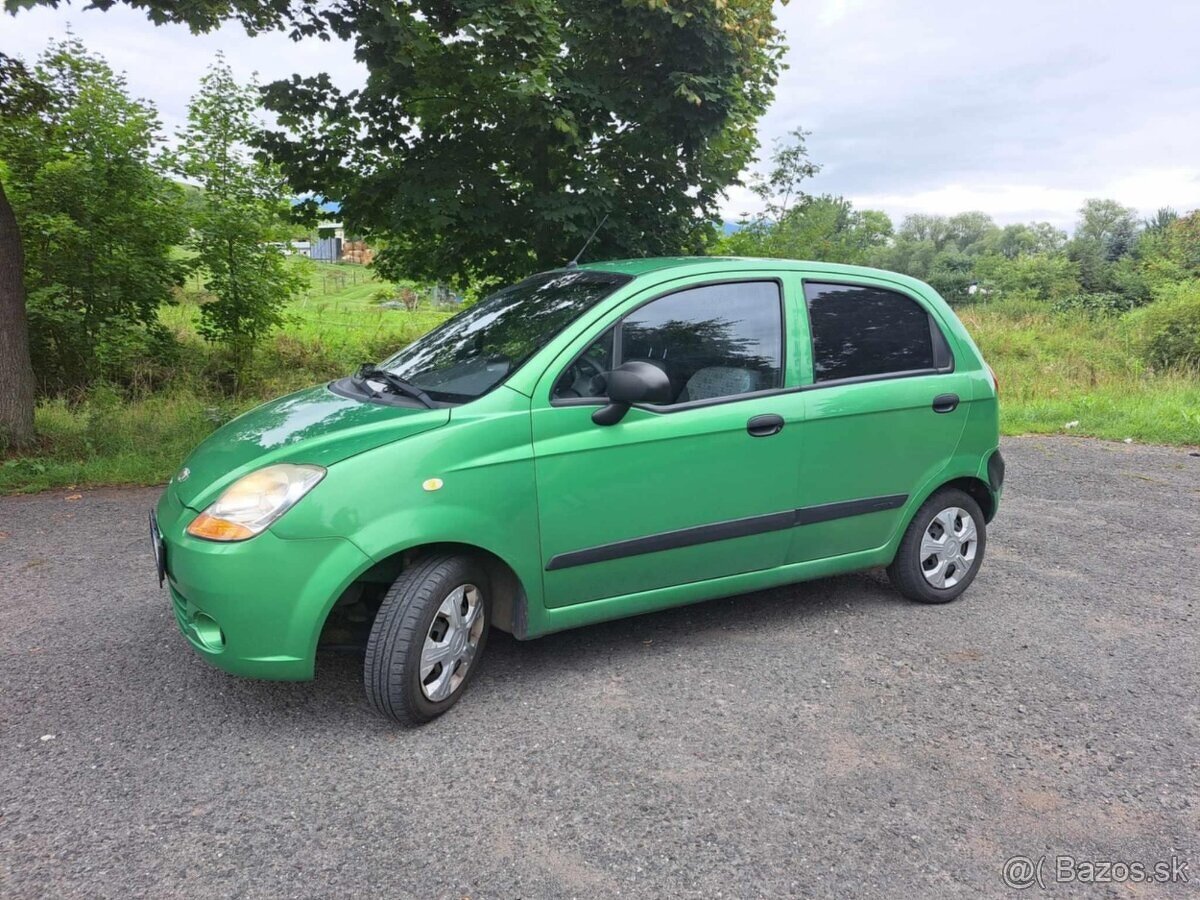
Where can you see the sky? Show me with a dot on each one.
(1021, 109)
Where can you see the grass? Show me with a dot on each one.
(109, 439)
(1074, 374)
(1058, 373)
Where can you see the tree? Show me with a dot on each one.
(21, 99)
(790, 168)
(920, 227)
(1036, 238)
(1047, 238)
(794, 224)
(1160, 221)
(969, 230)
(199, 15)
(822, 228)
(1045, 276)
(1108, 225)
(491, 138)
(100, 220)
(241, 208)
(1168, 250)
(1183, 243)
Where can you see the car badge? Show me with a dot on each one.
(183, 475)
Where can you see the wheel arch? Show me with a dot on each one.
(975, 488)
(509, 600)
(972, 485)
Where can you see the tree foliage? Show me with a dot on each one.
(199, 15)
(242, 202)
(21, 99)
(491, 138)
(781, 186)
(85, 177)
(825, 227)
(1168, 330)
(794, 224)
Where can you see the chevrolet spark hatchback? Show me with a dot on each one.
(591, 443)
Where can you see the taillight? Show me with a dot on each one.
(995, 380)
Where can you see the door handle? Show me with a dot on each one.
(944, 403)
(765, 426)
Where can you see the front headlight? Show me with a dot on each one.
(254, 501)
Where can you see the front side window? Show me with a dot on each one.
(481, 346)
(715, 341)
(861, 331)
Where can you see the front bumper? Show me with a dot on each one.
(254, 608)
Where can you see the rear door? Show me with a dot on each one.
(694, 489)
(885, 410)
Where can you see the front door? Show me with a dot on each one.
(885, 410)
(694, 489)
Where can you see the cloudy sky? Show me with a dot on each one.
(1022, 109)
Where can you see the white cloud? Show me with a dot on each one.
(1145, 190)
(164, 64)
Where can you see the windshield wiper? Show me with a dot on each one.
(395, 382)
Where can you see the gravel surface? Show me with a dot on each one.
(826, 739)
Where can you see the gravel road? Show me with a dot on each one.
(824, 740)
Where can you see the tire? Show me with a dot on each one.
(941, 576)
(419, 599)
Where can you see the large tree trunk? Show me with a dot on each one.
(16, 372)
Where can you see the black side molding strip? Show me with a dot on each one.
(811, 515)
(673, 540)
(723, 531)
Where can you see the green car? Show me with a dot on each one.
(594, 442)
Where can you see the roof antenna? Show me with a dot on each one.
(574, 264)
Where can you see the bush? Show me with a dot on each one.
(1094, 303)
(1168, 330)
(1050, 276)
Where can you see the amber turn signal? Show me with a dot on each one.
(214, 529)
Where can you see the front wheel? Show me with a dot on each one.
(428, 638)
(942, 550)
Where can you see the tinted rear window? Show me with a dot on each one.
(859, 331)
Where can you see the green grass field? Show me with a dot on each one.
(1072, 374)
(1058, 373)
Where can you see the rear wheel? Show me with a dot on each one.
(942, 549)
(428, 638)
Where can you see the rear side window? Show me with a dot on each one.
(860, 331)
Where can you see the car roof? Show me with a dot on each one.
(636, 267)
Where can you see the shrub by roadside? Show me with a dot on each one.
(1168, 331)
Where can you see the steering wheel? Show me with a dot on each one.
(582, 378)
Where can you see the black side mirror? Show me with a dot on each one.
(633, 382)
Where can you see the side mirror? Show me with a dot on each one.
(633, 382)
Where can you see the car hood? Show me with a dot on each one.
(315, 425)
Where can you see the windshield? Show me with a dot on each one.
(473, 352)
